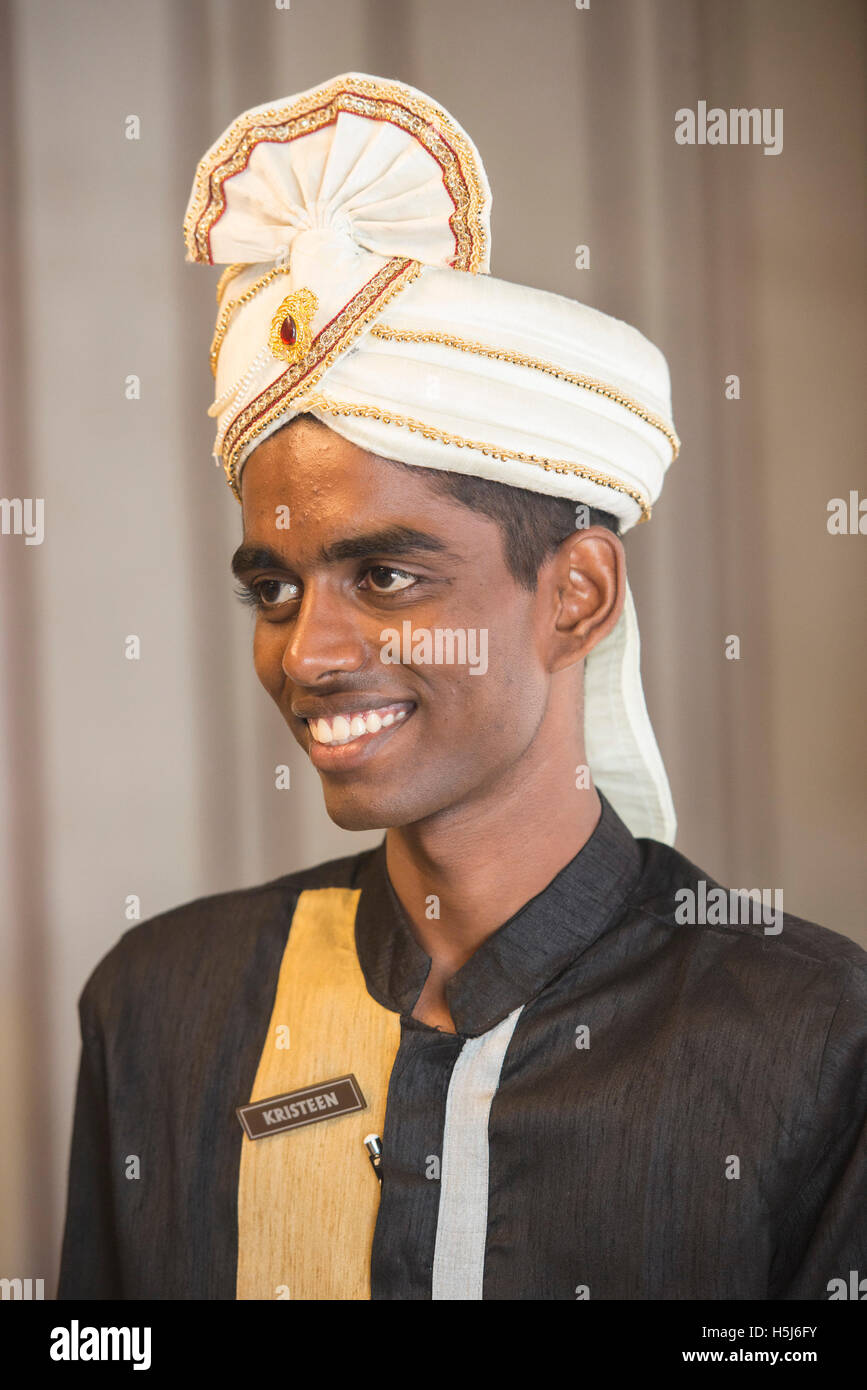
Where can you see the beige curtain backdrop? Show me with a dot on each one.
(156, 777)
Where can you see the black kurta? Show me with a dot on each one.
(631, 1108)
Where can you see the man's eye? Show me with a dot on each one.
(267, 593)
(382, 576)
(272, 592)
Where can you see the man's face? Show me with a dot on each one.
(368, 548)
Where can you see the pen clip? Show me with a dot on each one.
(373, 1144)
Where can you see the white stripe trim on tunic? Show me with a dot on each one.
(462, 1225)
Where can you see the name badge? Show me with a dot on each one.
(339, 1097)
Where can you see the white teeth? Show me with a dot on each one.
(344, 728)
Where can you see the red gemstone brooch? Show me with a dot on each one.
(291, 334)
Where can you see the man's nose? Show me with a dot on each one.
(326, 636)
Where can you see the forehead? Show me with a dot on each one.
(313, 497)
(306, 458)
(325, 480)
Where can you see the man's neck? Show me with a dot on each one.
(460, 875)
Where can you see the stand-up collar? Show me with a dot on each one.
(539, 941)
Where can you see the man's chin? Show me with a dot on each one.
(355, 819)
(357, 813)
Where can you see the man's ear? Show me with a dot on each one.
(587, 578)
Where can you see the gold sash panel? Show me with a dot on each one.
(308, 1198)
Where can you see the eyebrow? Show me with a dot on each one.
(391, 540)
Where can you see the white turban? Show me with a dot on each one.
(355, 222)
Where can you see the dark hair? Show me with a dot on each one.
(532, 523)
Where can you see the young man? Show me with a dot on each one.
(591, 1072)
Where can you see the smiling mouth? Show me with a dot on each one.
(341, 729)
